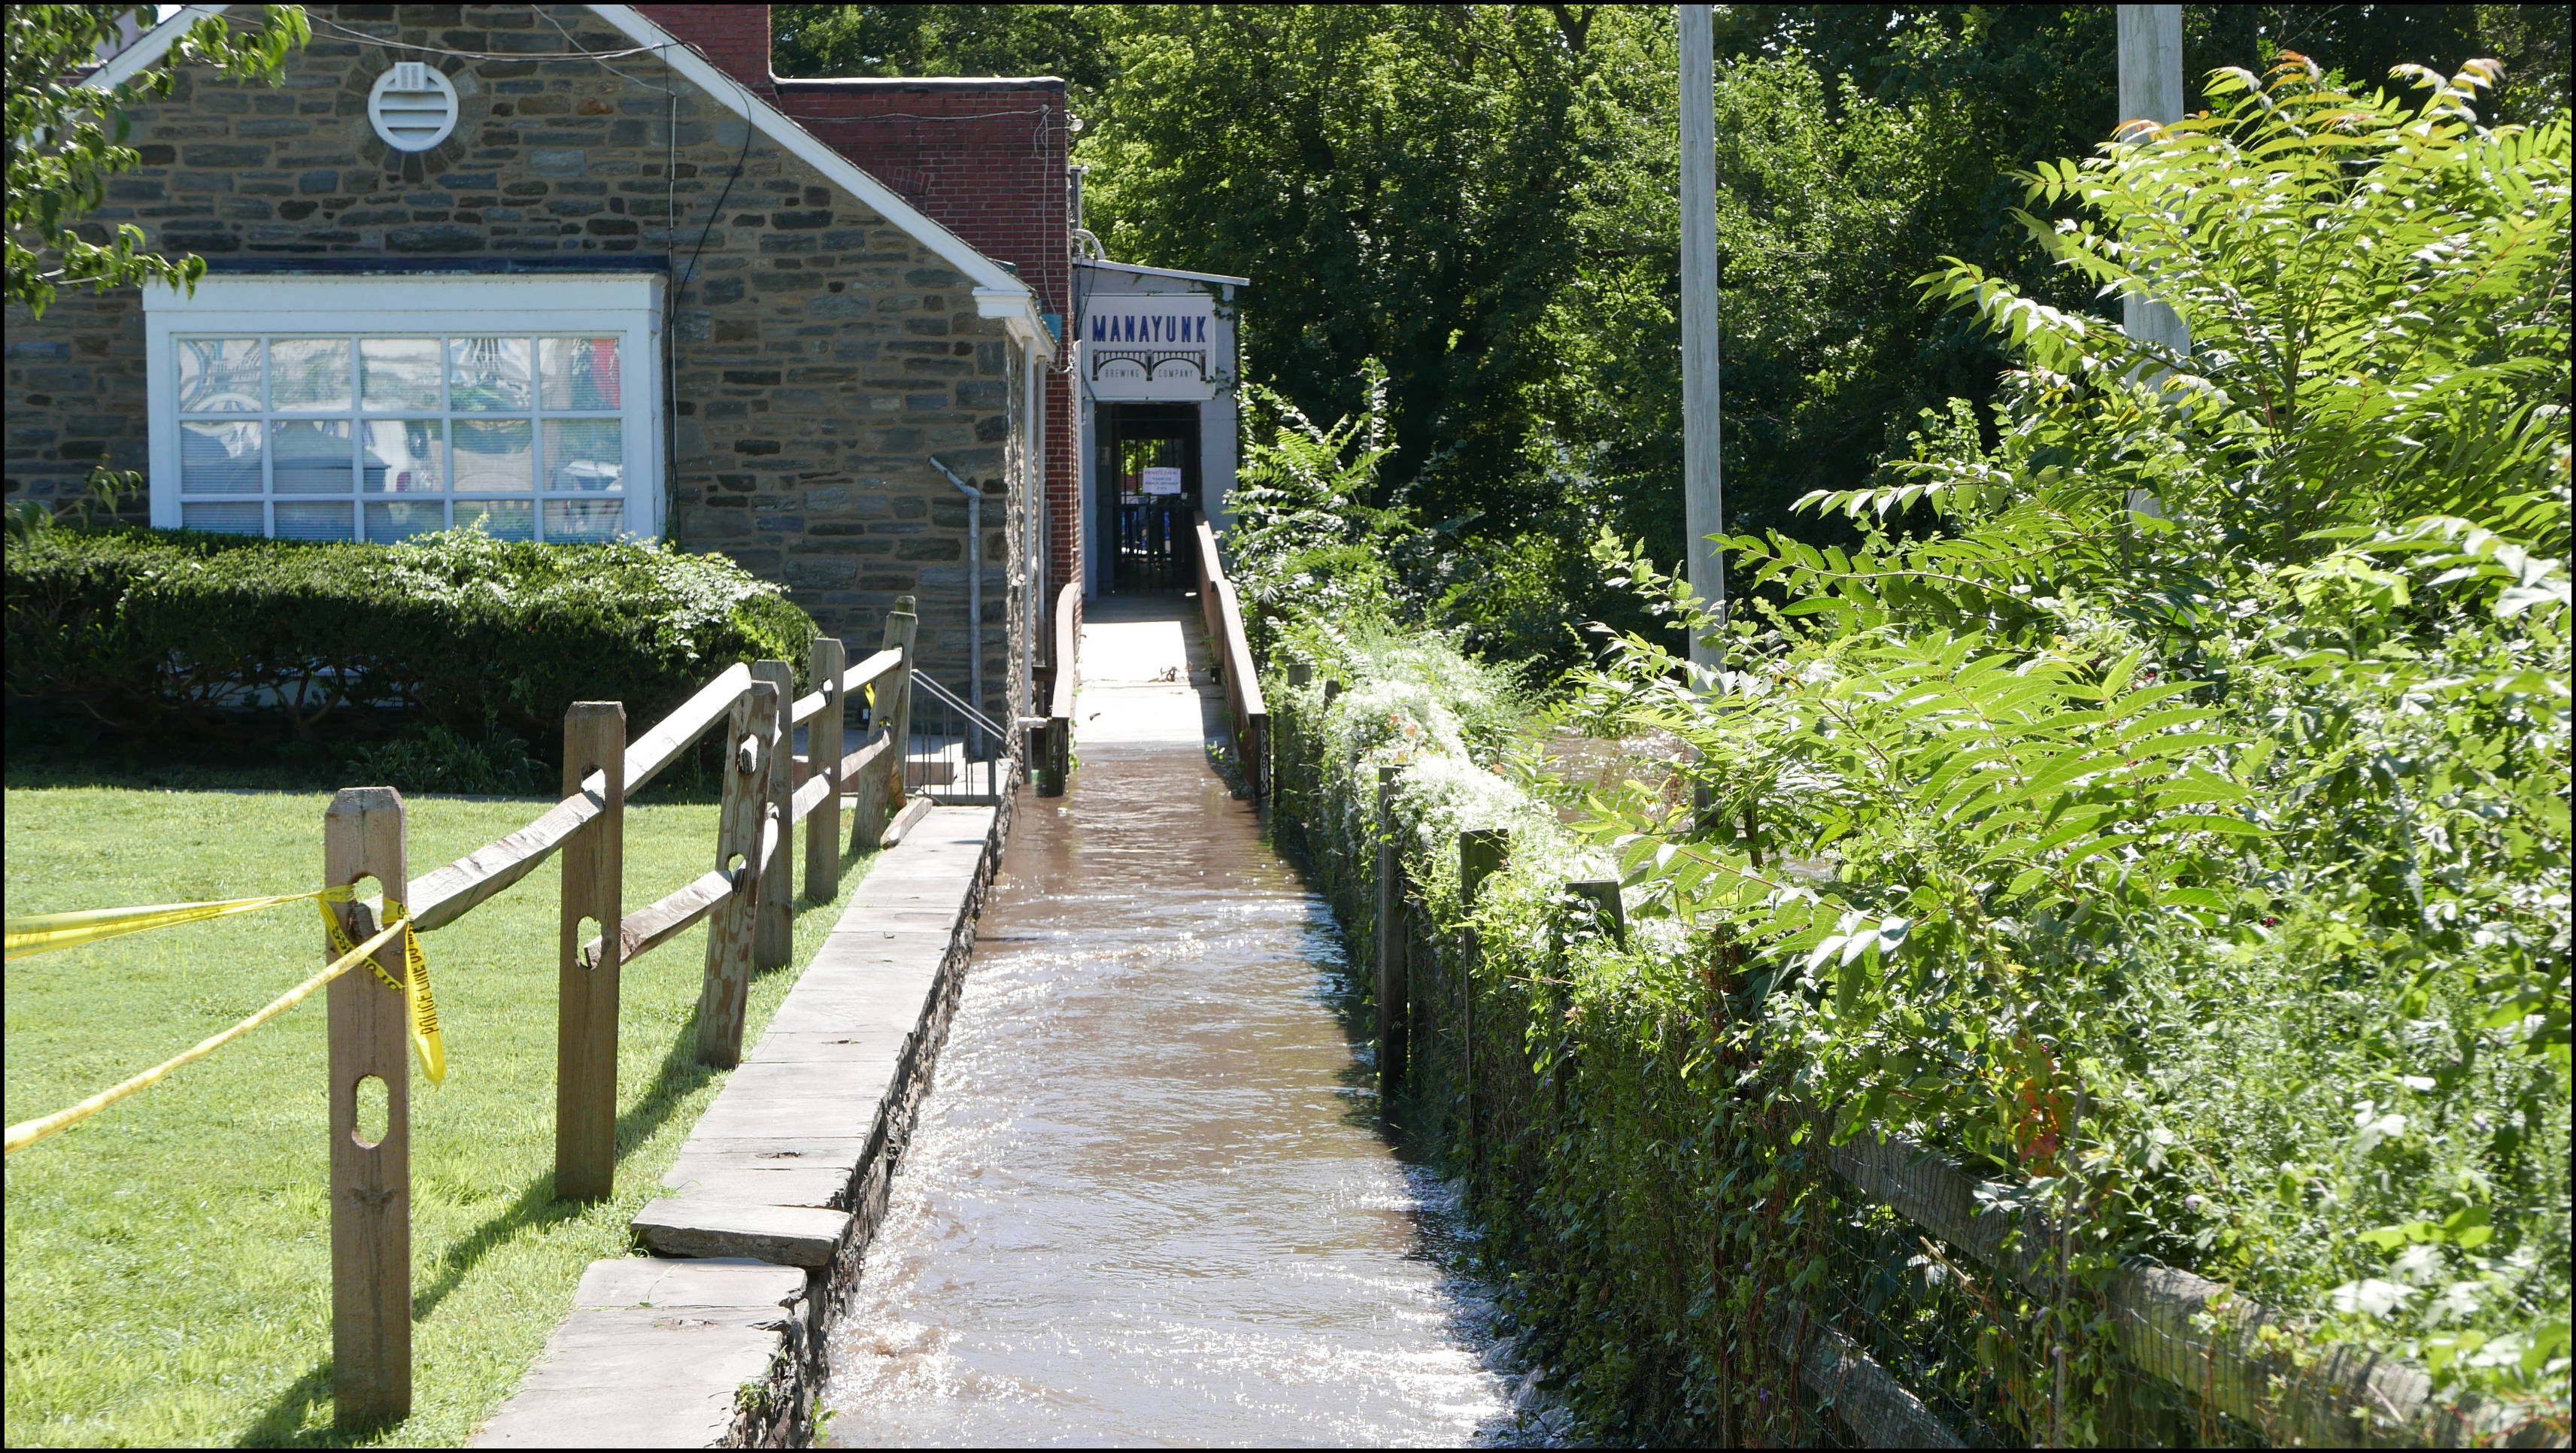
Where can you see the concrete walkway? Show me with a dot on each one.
(1145, 681)
(718, 1338)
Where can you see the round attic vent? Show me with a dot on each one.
(413, 106)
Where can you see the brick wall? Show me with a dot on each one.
(983, 157)
(819, 354)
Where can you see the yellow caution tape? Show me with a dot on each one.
(414, 988)
(28, 1132)
(46, 932)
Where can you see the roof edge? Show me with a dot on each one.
(928, 83)
(1138, 267)
(987, 274)
(148, 47)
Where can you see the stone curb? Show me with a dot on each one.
(716, 1338)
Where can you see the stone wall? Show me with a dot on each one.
(819, 355)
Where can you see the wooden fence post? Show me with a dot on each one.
(774, 930)
(362, 837)
(903, 629)
(722, 997)
(1482, 852)
(594, 869)
(827, 661)
(880, 790)
(1613, 914)
(1394, 981)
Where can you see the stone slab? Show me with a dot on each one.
(835, 1150)
(659, 1348)
(700, 1225)
(722, 1282)
(769, 1185)
(643, 1377)
(741, 1116)
(856, 1080)
(828, 1046)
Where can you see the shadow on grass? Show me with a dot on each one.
(283, 1423)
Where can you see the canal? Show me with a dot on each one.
(1146, 1203)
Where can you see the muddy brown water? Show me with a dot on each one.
(1145, 1203)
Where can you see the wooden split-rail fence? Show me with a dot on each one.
(2222, 1350)
(747, 898)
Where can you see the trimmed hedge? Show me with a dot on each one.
(156, 632)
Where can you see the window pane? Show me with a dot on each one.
(388, 523)
(309, 374)
(487, 375)
(584, 519)
(502, 519)
(403, 456)
(314, 521)
(312, 458)
(232, 519)
(581, 373)
(219, 376)
(495, 455)
(219, 458)
(585, 454)
(401, 373)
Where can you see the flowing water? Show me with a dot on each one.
(1145, 1204)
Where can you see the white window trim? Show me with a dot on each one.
(625, 305)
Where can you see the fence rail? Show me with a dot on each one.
(1053, 751)
(746, 897)
(1222, 613)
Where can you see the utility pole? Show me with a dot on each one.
(1703, 481)
(2151, 90)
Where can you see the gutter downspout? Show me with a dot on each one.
(974, 595)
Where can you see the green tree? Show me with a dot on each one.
(944, 40)
(66, 140)
(1395, 180)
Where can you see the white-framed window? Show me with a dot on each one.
(375, 408)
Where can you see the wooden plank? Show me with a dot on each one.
(661, 746)
(1877, 1409)
(362, 837)
(774, 927)
(818, 802)
(439, 898)
(649, 928)
(866, 759)
(816, 792)
(586, 983)
(868, 671)
(724, 993)
(1239, 670)
(2197, 1334)
(904, 821)
(1068, 628)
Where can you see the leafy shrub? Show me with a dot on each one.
(2180, 835)
(433, 758)
(162, 631)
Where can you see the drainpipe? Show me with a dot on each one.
(974, 594)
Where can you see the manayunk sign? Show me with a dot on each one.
(1153, 346)
(1174, 329)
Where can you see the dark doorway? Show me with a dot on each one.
(1149, 473)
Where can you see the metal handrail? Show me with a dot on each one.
(972, 715)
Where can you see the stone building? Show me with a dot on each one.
(582, 270)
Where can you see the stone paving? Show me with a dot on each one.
(716, 1338)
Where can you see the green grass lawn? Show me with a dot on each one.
(169, 1260)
